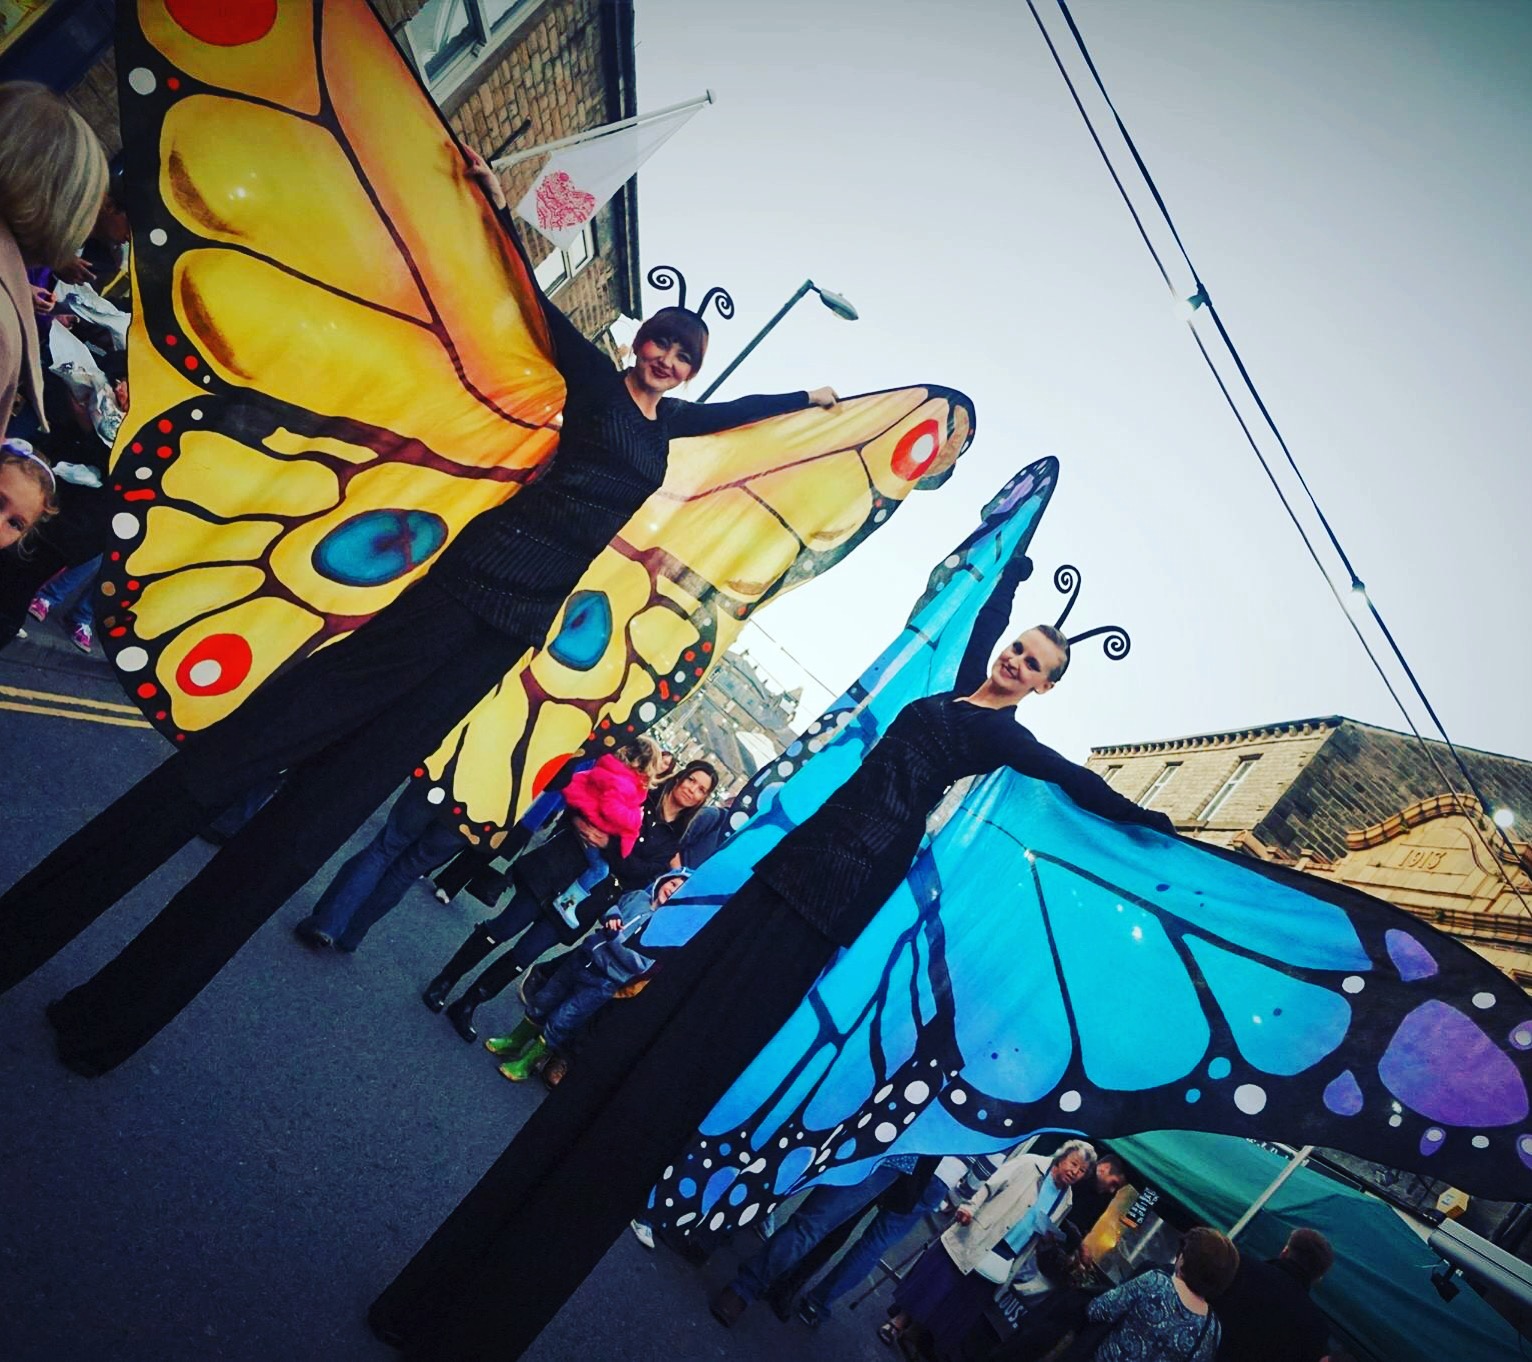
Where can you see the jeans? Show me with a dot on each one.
(78, 582)
(886, 1230)
(412, 842)
(822, 1210)
(570, 998)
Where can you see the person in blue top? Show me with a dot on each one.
(587, 978)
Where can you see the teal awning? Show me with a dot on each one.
(1379, 1293)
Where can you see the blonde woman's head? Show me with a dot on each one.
(52, 173)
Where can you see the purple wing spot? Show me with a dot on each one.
(1411, 959)
(1343, 1095)
(1443, 1066)
(1521, 1036)
(1524, 1149)
(1432, 1140)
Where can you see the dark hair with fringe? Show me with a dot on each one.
(684, 818)
(1310, 1252)
(677, 324)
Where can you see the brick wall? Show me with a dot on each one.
(547, 79)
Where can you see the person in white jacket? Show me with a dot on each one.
(992, 1238)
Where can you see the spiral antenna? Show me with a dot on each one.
(667, 277)
(1117, 643)
(723, 303)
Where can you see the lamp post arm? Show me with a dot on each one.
(759, 336)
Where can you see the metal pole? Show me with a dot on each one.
(638, 121)
(760, 335)
(1297, 1162)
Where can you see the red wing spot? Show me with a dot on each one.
(217, 665)
(116, 557)
(190, 361)
(419, 771)
(488, 826)
(164, 426)
(664, 691)
(698, 672)
(547, 771)
(690, 656)
(160, 714)
(137, 447)
(707, 647)
(147, 690)
(116, 487)
(224, 23)
(143, 494)
(456, 809)
(132, 585)
(917, 450)
(118, 632)
(171, 340)
(180, 737)
(172, 84)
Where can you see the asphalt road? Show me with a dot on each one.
(246, 1184)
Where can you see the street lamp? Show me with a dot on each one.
(840, 306)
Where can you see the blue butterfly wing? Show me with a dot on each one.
(922, 661)
(1043, 968)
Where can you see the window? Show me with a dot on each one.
(1110, 774)
(1229, 786)
(448, 37)
(1159, 783)
(559, 267)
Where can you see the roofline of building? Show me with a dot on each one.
(1282, 727)
(1194, 740)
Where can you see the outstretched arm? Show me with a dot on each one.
(1086, 788)
(705, 418)
(989, 624)
(574, 353)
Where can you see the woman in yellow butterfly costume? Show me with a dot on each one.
(350, 721)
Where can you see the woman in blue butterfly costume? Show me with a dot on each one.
(553, 1203)
(350, 721)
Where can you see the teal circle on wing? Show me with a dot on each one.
(587, 629)
(378, 546)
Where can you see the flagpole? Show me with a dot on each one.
(590, 134)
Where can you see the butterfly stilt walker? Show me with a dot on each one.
(980, 992)
(368, 468)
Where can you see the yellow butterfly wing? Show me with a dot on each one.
(743, 516)
(336, 358)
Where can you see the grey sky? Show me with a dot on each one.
(1353, 182)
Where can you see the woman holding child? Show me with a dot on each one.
(543, 876)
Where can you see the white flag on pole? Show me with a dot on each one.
(577, 182)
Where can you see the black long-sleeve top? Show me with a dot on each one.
(840, 865)
(515, 564)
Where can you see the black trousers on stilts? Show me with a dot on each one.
(347, 724)
(504, 1262)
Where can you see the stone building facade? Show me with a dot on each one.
(507, 74)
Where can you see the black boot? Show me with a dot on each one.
(460, 1014)
(469, 954)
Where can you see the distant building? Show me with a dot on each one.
(740, 720)
(507, 74)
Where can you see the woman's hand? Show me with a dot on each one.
(478, 169)
(588, 832)
(77, 271)
(963, 1216)
(42, 300)
(613, 924)
(823, 397)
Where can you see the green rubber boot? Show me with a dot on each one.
(521, 1068)
(513, 1044)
